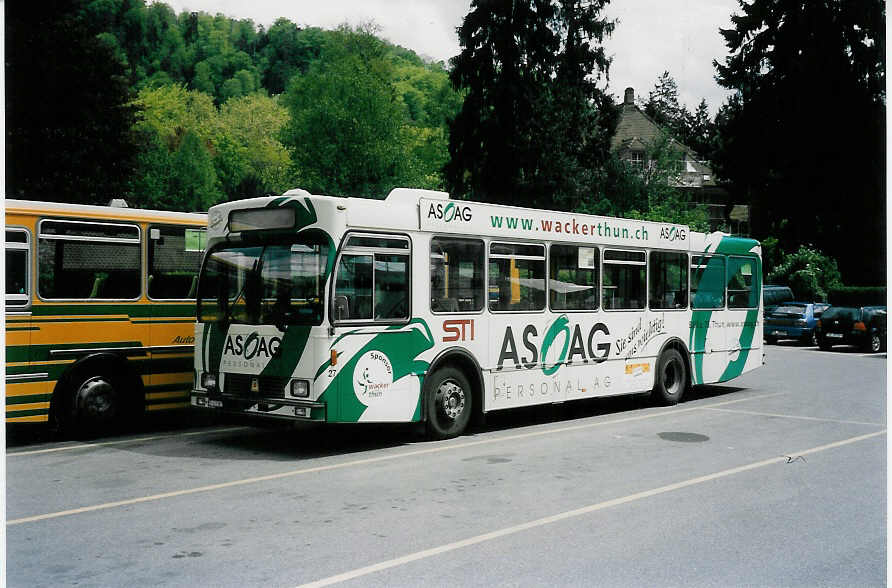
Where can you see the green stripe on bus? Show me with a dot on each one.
(24, 413)
(13, 400)
(142, 310)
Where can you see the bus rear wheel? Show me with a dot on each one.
(671, 378)
(448, 397)
(96, 404)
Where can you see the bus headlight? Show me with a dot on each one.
(208, 381)
(300, 388)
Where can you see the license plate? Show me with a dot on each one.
(215, 403)
(302, 411)
(834, 335)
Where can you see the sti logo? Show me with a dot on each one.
(450, 212)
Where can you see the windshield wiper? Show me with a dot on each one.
(252, 274)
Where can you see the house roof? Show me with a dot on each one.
(635, 129)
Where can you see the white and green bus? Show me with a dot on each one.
(422, 308)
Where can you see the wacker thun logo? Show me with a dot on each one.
(450, 212)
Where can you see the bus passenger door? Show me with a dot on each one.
(377, 376)
(21, 381)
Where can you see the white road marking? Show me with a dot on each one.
(418, 555)
(122, 441)
(793, 416)
(360, 462)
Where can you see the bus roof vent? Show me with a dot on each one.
(412, 195)
(118, 203)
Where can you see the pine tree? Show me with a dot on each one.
(534, 123)
(803, 135)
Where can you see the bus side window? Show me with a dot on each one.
(18, 263)
(668, 280)
(516, 277)
(708, 281)
(372, 281)
(624, 280)
(174, 258)
(88, 260)
(456, 275)
(573, 277)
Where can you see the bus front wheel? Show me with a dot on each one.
(449, 403)
(671, 378)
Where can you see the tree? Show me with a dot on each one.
(808, 272)
(253, 124)
(345, 134)
(534, 122)
(695, 129)
(193, 183)
(69, 107)
(803, 135)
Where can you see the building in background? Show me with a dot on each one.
(636, 133)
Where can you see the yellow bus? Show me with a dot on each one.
(100, 312)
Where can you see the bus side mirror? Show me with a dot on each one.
(341, 308)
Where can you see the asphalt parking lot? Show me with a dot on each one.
(775, 479)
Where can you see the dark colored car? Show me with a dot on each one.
(793, 320)
(774, 296)
(864, 326)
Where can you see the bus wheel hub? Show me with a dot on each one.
(451, 399)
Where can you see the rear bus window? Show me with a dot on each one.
(88, 260)
(741, 273)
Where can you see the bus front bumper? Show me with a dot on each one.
(274, 408)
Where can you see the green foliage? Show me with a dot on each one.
(695, 130)
(803, 135)
(193, 178)
(352, 130)
(808, 272)
(345, 132)
(534, 123)
(69, 110)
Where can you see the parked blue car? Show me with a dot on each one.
(793, 320)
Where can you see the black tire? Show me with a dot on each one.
(449, 403)
(824, 344)
(671, 379)
(810, 339)
(770, 340)
(95, 404)
(874, 343)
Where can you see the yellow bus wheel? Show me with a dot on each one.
(96, 403)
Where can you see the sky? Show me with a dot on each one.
(652, 36)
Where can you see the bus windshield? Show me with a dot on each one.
(279, 284)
